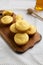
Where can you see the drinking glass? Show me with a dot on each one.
(39, 5)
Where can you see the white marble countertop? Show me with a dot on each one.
(32, 56)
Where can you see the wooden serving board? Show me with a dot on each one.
(8, 37)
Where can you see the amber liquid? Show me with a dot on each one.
(39, 5)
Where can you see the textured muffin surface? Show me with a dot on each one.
(6, 19)
(22, 25)
(21, 39)
(13, 29)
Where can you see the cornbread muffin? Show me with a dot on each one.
(32, 30)
(7, 12)
(19, 17)
(21, 38)
(13, 29)
(22, 25)
(6, 19)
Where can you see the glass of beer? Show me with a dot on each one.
(39, 5)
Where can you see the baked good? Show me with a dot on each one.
(12, 28)
(32, 30)
(21, 38)
(6, 19)
(22, 25)
(19, 17)
(7, 12)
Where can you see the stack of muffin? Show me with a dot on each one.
(21, 28)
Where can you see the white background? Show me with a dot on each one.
(32, 56)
